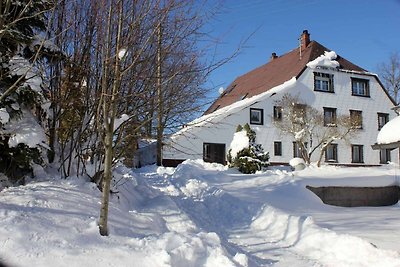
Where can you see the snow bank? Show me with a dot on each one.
(325, 60)
(390, 132)
(319, 244)
(214, 217)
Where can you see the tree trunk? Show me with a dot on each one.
(160, 100)
(321, 154)
(106, 184)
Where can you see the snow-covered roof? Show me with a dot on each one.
(390, 132)
(389, 135)
(222, 113)
(280, 69)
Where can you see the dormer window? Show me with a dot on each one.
(323, 82)
(359, 87)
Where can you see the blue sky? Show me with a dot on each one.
(365, 32)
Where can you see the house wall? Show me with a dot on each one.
(189, 145)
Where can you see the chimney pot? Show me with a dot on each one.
(273, 56)
(305, 39)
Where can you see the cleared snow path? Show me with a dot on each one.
(199, 215)
(269, 217)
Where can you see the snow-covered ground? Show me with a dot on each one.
(200, 214)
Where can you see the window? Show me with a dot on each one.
(297, 150)
(277, 113)
(384, 156)
(331, 153)
(299, 113)
(359, 87)
(323, 82)
(256, 116)
(214, 152)
(278, 148)
(329, 116)
(383, 118)
(356, 119)
(357, 154)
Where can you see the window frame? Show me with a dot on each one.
(360, 154)
(387, 156)
(366, 89)
(333, 119)
(382, 115)
(277, 148)
(335, 153)
(356, 114)
(260, 111)
(324, 77)
(277, 113)
(296, 149)
(210, 152)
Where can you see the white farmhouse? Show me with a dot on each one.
(315, 74)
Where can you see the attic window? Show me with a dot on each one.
(323, 82)
(256, 116)
(359, 87)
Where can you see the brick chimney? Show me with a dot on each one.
(304, 39)
(273, 56)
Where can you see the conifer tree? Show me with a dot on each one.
(22, 24)
(250, 158)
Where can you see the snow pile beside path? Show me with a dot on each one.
(304, 237)
(390, 132)
(325, 60)
(55, 223)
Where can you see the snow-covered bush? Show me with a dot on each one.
(22, 90)
(244, 153)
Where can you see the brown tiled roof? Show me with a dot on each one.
(274, 73)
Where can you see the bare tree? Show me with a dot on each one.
(390, 75)
(310, 129)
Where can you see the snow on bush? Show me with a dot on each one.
(239, 142)
(4, 116)
(244, 153)
(26, 131)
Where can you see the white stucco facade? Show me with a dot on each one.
(219, 127)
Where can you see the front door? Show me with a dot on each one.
(214, 152)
